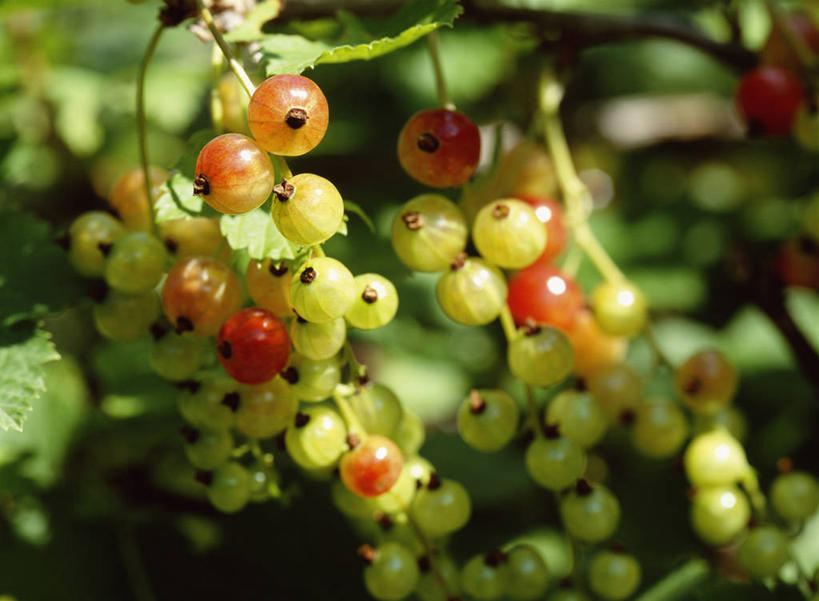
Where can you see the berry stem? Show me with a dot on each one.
(440, 82)
(576, 194)
(532, 410)
(142, 133)
(800, 48)
(679, 582)
(216, 108)
(571, 263)
(357, 370)
(235, 66)
(508, 324)
(318, 251)
(282, 169)
(350, 418)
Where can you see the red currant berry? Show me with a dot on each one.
(288, 115)
(253, 346)
(543, 294)
(372, 467)
(593, 348)
(768, 99)
(439, 148)
(233, 174)
(550, 213)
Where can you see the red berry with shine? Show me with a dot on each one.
(543, 294)
(439, 148)
(372, 467)
(768, 99)
(551, 215)
(253, 346)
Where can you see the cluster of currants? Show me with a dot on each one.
(773, 98)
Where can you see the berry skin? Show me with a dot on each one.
(508, 233)
(659, 430)
(267, 409)
(212, 405)
(378, 409)
(373, 467)
(541, 357)
(233, 174)
(555, 462)
(768, 99)
(312, 380)
(543, 294)
(806, 128)
(439, 148)
(316, 437)
(124, 317)
(375, 304)
(128, 197)
(288, 115)
(472, 292)
(207, 449)
(176, 357)
(199, 294)
(488, 419)
(409, 434)
(593, 348)
(795, 496)
(617, 388)
(620, 309)
(233, 103)
(430, 587)
(442, 507)
(308, 209)
(322, 290)
(428, 233)
(579, 417)
(253, 346)
(318, 340)
(136, 263)
(550, 213)
(528, 574)
(719, 514)
(706, 381)
(779, 51)
(485, 577)
(763, 552)
(92, 235)
(614, 576)
(392, 574)
(230, 487)
(715, 458)
(590, 513)
(269, 287)
(194, 237)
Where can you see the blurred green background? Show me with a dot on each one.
(96, 499)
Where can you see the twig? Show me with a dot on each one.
(142, 127)
(440, 81)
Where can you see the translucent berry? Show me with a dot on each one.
(550, 213)
(590, 513)
(267, 409)
(129, 200)
(795, 496)
(617, 388)
(528, 574)
(593, 348)
(233, 174)
(428, 233)
(768, 99)
(375, 304)
(614, 576)
(392, 572)
(541, 357)
(230, 487)
(312, 380)
(92, 235)
(555, 462)
(268, 284)
(199, 294)
(318, 340)
(579, 417)
(125, 317)
(508, 234)
(719, 514)
(322, 290)
(763, 552)
(308, 209)
(316, 437)
(135, 263)
(485, 577)
(378, 408)
(288, 115)
(372, 467)
(472, 292)
(207, 449)
(543, 294)
(211, 403)
(439, 148)
(194, 237)
(659, 430)
(253, 346)
(443, 506)
(715, 458)
(409, 434)
(176, 357)
(487, 419)
(706, 381)
(619, 308)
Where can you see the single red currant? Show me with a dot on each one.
(439, 148)
(288, 115)
(253, 346)
(593, 348)
(233, 174)
(372, 467)
(550, 214)
(543, 294)
(768, 99)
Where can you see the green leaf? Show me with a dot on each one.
(186, 164)
(358, 39)
(352, 207)
(176, 200)
(256, 232)
(22, 377)
(35, 277)
(251, 28)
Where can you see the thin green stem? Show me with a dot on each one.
(216, 108)
(678, 583)
(235, 66)
(571, 264)
(508, 324)
(357, 370)
(532, 410)
(350, 418)
(282, 169)
(440, 82)
(142, 128)
(318, 251)
(575, 193)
